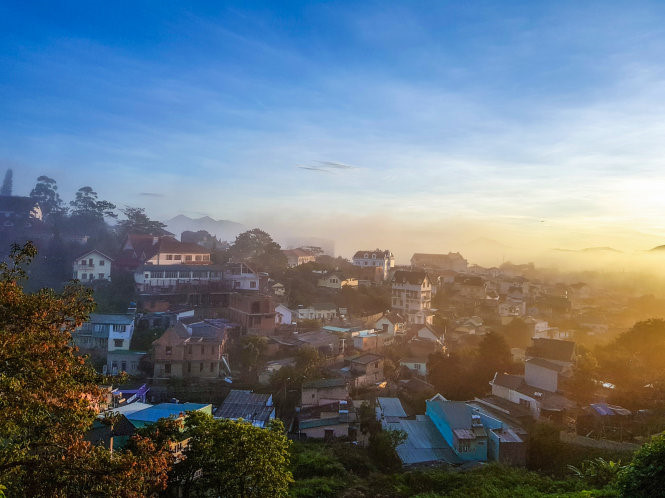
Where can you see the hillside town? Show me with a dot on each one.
(463, 360)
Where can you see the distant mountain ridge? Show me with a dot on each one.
(590, 249)
(223, 229)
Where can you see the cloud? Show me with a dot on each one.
(150, 194)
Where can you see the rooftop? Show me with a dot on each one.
(165, 410)
(391, 407)
(247, 405)
(324, 383)
(409, 277)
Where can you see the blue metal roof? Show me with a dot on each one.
(166, 410)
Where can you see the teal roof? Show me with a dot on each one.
(166, 410)
(114, 319)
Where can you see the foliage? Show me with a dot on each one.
(7, 183)
(258, 249)
(645, 475)
(142, 339)
(138, 222)
(517, 333)
(364, 300)
(234, 458)
(116, 295)
(46, 194)
(49, 397)
(87, 207)
(382, 446)
(581, 386)
(598, 471)
(252, 350)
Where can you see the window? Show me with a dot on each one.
(101, 262)
(157, 274)
(168, 350)
(100, 276)
(177, 257)
(91, 277)
(167, 368)
(185, 274)
(199, 258)
(84, 276)
(202, 351)
(90, 263)
(201, 367)
(189, 349)
(188, 257)
(189, 367)
(313, 395)
(464, 446)
(83, 262)
(212, 367)
(124, 366)
(171, 274)
(416, 366)
(236, 284)
(169, 257)
(206, 257)
(118, 342)
(252, 285)
(119, 328)
(147, 275)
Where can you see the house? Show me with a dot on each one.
(317, 311)
(326, 343)
(92, 265)
(602, 419)
(453, 261)
(241, 277)
(554, 350)
(412, 296)
(254, 312)
(544, 374)
(111, 437)
(177, 411)
(511, 308)
(140, 249)
(369, 340)
(366, 369)
(103, 333)
(162, 279)
(298, 256)
(391, 323)
(283, 315)
(197, 353)
(273, 366)
(278, 289)
(460, 426)
(17, 211)
(389, 410)
(470, 286)
(336, 281)
(256, 408)
(415, 365)
(328, 421)
(385, 260)
(541, 403)
(124, 361)
(324, 391)
(426, 332)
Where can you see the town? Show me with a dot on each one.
(436, 363)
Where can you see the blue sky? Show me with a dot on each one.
(517, 120)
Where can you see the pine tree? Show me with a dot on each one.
(7, 183)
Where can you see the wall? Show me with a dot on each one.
(541, 377)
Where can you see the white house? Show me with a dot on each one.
(377, 258)
(283, 315)
(105, 332)
(412, 296)
(92, 265)
(318, 311)
(336, 281)
(242, 277)
(391, 323)
(154, 277)
(416, 365)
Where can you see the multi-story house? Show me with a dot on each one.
(241, 277)
(254, 312)
(385, 260)
(104, 333)
(367, 369)
(195, 353)
(140, 249)
(453, 261)
(412, 296)
(92, 265)
(298, 256)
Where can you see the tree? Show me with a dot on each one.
(7, 183)
(582, 383)
(493, 355)
(234, 459)
(382, 445)
(86, 206)
(46, 195)
(49, 397)
(138, 222)
(517, 333)
(645, 476)
(257, 248)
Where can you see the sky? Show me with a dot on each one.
(420, 126)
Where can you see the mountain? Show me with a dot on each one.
(658, 249)
(223, 229)
(591, 250)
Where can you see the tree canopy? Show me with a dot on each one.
(257, 248)
(138, 222)
(49, 397)
(86, 206)
(7, 183)
(46, 194)
(234, 458)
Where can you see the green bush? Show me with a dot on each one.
(645, 476)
